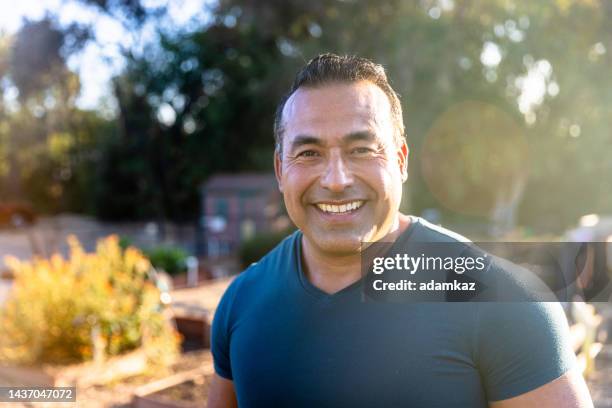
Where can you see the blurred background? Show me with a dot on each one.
(123, 110)
(152, 120)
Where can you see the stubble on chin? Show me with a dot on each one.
(336, 244)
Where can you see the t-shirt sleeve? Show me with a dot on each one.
(220, 333)
(521, 346)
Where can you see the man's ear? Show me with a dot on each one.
(402, 159)
(278, 169)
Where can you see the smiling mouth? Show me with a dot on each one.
(341, 208)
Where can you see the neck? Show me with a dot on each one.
(332, 272)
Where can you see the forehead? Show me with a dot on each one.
(337, 109)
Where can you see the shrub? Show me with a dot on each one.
(253, 249)
(63, 311)
(170, 259)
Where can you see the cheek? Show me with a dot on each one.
(386, 183)
(296, 181)
(378, 174)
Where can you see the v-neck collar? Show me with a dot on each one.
(318, 293)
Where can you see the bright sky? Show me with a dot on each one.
(99, 61)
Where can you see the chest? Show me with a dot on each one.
(325, 354)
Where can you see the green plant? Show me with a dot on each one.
(170, 259)
(64, 311)
(253, 249)
(125, 242)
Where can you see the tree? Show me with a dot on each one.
(441, 54)
(46, 141)
(199, 103)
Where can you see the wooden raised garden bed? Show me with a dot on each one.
(188, 389)
(79, 375)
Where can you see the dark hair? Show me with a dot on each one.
(330, 68)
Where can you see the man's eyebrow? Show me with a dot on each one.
(361, 136)
(302, 140)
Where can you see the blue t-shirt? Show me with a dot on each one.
(285, 343)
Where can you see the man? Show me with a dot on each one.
(293, 331)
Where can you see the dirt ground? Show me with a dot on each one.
(119, 394)
(600, 382)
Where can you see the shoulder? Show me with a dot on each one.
(522, 339)
(261, 275)
(518, 318)
(521, 346)
(425, 231)
(433, 240)
(277, 260)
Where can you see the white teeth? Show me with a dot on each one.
(330, 208)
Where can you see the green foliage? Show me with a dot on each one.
(170, 259)
(48, 147)
(36, 59)
(65, 311)
(125, 242)
(208, 82)
(253, 249)
(201, 102)
(433, 55)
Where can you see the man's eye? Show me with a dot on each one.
(362, 150)
(308, 153)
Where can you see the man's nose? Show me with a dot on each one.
(337, 175)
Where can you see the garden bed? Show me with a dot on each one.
(187, 389)
(195, 332)
(79, 375)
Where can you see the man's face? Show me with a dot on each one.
(341, 171)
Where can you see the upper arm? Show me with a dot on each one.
(221, 333)
(567, 391)
(221, 393)
(521, 347)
